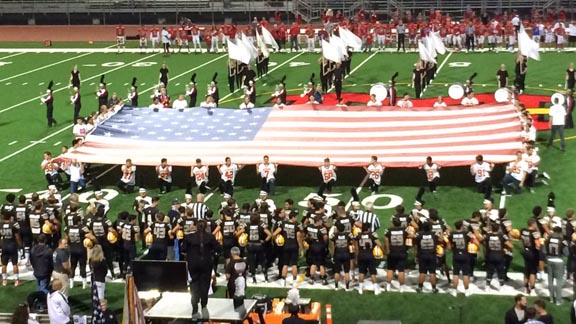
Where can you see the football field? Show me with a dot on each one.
(24, 136)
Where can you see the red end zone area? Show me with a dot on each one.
(534, 103)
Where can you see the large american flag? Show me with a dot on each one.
(305, 134)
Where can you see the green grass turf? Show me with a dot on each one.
(26, 123)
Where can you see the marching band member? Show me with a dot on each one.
(48, 99)
(76, 101)
(213, 89)
(102, 93)
(232, 68)
(309, 90)
(250, 92)
(133, 94)
(191, 91)
(75, 77)
(280, 92)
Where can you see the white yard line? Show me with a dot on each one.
(66, 87)
(274, 69)
(356, 68)
(438, 70)
(45, 67)
(34, 143)
(502, 201)
(187, 72)
(13, 55)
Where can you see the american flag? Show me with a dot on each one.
(305, 134)
(97, 314)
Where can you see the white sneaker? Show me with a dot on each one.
(377, 290)
(467, 292)
(360, 291)
(387, 286)
(71, 283)
(454, 292)
(401, 290)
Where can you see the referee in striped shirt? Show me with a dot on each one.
(199, 208)
(369, 217)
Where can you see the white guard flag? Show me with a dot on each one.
(339, 45)
(438, 44)
(424, 54)
(238, 52)
(268, 39)
(330, 53)
(350, 39)
(262, 46)
(527, 46)
(249, 46)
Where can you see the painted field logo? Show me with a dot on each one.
(296, 64)
(380, 201)
(459, 64)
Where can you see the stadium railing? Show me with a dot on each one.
(96, 6)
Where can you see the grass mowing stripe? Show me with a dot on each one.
(45, 67)
(357, 67)
(66, 87)
(274, 69)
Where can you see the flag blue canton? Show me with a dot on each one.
(97, 314)
(191, 124)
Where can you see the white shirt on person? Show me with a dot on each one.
(79, 130)
(165, 36)
(179, 104)
(246, 105)
(441, 104)
(58, 308)
(470, 101)
(374, 103)
(405, 103)
(205, 104)
(557, 115)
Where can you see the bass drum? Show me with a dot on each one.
(456, 91)
(380, 90)
(561, 98)
(502, 95)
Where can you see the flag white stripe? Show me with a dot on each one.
(427, 132)
(384, 124)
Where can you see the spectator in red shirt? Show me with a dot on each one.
(264, 23)
(294, 32)
(282, 36)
